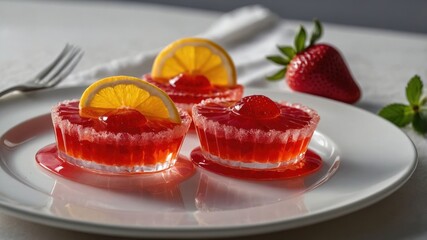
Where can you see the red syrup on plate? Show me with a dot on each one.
(48, 158)
(311, 163)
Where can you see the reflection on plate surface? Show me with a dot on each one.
(218, 193)
(202, 203)
(48, 158)
(82, 194)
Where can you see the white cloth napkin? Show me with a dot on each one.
(248, 33)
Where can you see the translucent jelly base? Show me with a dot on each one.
(117, 168)
(252, 152)
(259, 164)
(310, 163)
(48, 158)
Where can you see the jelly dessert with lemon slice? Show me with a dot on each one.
(190, 70)
(254, 133)
(121, 124)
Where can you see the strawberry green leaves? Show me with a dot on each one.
(278, 60)
(317, 32)
(300, 39)
(278, 75)
(281, 73)
(289, 52)
(415, 113)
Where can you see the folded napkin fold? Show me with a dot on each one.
(248, 33)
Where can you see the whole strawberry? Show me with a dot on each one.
(317, 69)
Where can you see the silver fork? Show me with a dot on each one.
(53, 74)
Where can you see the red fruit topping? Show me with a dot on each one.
(322, 71)
(317, 69)
(257, 106)
(123, 120)
(186, 81)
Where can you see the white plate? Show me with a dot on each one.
(370, 159)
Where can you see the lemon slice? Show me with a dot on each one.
(195, 56)
(124, 92)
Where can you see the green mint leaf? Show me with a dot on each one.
(300, 39)
(317, 32)
(288, 51)
(279, 60)
(419, 123)
(278, 75)
(399, 114)
(414, 90)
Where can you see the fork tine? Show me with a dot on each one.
(63, 63)
(70, 64)
(49, 68)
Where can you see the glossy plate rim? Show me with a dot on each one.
(365, 198)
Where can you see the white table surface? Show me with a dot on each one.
(32, 32)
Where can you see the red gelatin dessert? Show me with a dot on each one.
(255, 132)
(186, 90)
(190, 70)
(137, 130)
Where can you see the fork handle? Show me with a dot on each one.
(20, 87)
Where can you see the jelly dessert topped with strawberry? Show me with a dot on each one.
(120, 125)
(254, 133)
(190, 70)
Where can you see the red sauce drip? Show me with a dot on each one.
(310, 164)
(47, 157)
